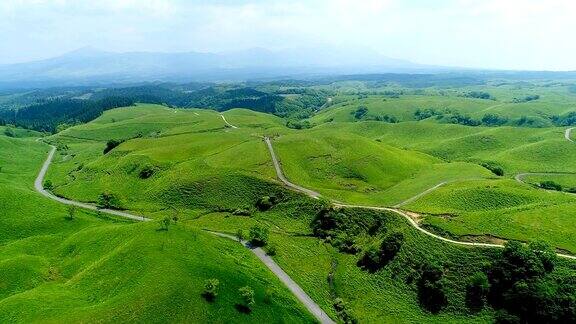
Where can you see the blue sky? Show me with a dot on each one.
(510, 34)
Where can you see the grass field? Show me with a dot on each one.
(99, 269)
(198, 168)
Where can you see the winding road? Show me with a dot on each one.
(285, 278)
(39, 186)
(412, 222)
(567, 134)
(226, 122)
(296, 290)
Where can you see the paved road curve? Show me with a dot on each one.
(412, 222)
(285, 278)
(227, 123)
(39, 185)
(292, 286)
(281, 176)
(567, 134)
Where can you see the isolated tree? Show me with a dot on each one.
(107, 200)
(71, 212)
(360, 112)
(165, 222)
(390, 247)
(431, 290)
(48, 185)
(211, 289)
(240, 235)
(477, 291)
(343, 311)
(258, 235)
(247, 295)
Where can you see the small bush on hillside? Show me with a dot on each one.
(210, 289)
(493, 120)
(344, 312)
(271, 249)
(550, 185)
(298, 124)
(48, 185)
(240, 235)
(247, 297)
(494, 168)
(258, 236)
(70, 212)
(111, 144)
(360, 112)
(265, 203)
(477, 291)
(165, 223)
(376, 258)
(9, 132)
(146, 172)
(431, 290)
(242, 212)
(108, 200)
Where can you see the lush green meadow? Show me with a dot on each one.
(456, 175)
(99, 269)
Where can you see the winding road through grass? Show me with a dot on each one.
(411, 220)
(296, 290)
(567, 134)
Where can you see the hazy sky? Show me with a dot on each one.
(513, 34)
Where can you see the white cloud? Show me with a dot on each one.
(532, 34)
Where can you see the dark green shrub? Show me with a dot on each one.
(258, 236)
(431, 290)
(146, 172)
(111, 144)
(210, 289)
(550, 185)
(108, 200)
(477, 291)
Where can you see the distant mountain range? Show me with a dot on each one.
(89, 66)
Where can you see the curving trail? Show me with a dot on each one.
(298, 292)
(567, 134)
(412, 222)
(285, 278)
(281, 176)
(226, 122)
(39, 186)
(420, 195)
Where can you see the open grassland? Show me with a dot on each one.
(98, 269)
(199, 165)
(193, 159)
(387, 295)
(502, 208)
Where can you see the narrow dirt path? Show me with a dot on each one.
(285, 278)
(420, 195)
(412, 222)
(567, 134)
(226, 122)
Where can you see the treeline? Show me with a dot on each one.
(46, 117)
(454, 117)
(523, 283)
(296, 103)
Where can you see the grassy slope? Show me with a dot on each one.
(98, 269)
(188, 149)
(382, 296)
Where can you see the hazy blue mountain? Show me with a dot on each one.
(89, 66)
